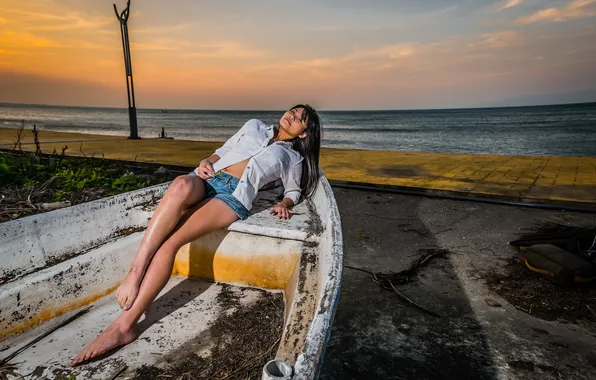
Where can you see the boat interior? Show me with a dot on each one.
(65, 265)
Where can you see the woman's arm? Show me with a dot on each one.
(213, 159)
(292, 191)
(282, 209)
(205, 169)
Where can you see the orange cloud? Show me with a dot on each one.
(499, 39)
(11, 39)
(36, 16)
(165, 29)
(573, 10)
(212, 50)
(396, 51)
(225, 50)
(509, 4)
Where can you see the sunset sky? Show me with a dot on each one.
(269, 54)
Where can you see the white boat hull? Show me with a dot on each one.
(57, 263)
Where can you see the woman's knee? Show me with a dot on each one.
(183, 188)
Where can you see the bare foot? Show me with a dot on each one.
(111, 338)
(128, 290)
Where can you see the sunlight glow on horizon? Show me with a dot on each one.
(233, 55)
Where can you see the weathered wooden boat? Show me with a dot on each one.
(59, 268)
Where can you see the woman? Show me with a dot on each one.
(214, 195)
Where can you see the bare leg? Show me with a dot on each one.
(184, 192)
(208, 216)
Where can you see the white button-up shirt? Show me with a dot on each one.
(267, 162)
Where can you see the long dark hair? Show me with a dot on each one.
(309, 147)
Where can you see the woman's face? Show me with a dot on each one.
(293, 123)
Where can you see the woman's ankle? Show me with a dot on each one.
(123, 324)
(136, 272)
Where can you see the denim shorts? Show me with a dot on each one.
(221, 186)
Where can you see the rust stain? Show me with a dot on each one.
(50, 313)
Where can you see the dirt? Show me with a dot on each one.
(533, 294)
(227, 298)
(315, 225)
(242, 343)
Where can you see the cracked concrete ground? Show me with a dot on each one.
(377, 336)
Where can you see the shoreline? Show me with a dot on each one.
(531, 131)
(539, 179)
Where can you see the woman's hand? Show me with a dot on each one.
(205, 169)
(282, 211)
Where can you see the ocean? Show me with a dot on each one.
(563, 130)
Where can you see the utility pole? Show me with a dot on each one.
(132, 110)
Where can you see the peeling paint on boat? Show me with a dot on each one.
(65, 259)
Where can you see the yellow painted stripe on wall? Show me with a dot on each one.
(52, 312)
(268, 271)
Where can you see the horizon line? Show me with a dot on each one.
(318, 110)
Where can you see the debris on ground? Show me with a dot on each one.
(577, 240)
(492, 302)
(557, 265)
(241, 345)
(531, 293)
(9, 371)
(534, 291)
(388, 280)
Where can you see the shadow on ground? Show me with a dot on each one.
(376, 335)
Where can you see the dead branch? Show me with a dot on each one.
(387, 280)
(81, 149)
(412, 302)
(36, 140)
(19, 136)
(29, 202)
(10, 369)
(45, 184)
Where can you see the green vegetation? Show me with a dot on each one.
(70, 176)
(27, 180)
